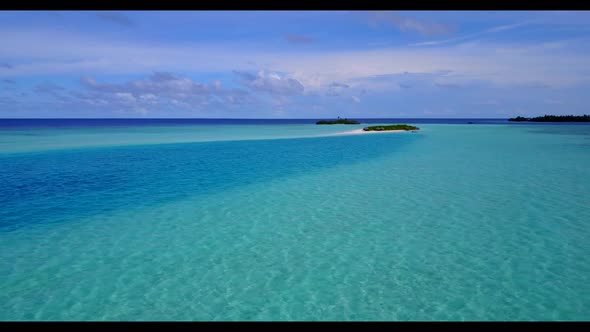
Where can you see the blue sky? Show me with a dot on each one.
(293, 64)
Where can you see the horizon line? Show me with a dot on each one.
(112, 118)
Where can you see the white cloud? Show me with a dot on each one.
(506, 27)
(469, 36)
(161, 89)
(286, 72)
(405, 23)
(271, 82)
(149, 98)
(125, 97)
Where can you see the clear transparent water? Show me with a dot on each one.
(456, 222)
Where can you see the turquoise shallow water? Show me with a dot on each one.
(14, 140)
(456, 222)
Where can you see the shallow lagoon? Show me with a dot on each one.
(455, 222)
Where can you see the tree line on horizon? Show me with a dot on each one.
(554, 118)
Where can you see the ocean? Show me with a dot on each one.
(284, 220)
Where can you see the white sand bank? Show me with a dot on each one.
(361, 131)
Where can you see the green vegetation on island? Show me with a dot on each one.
(391, 127)
(337, 121)
(554, 118)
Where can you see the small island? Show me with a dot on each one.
(391, 127)
(554, 118)
(337, 121)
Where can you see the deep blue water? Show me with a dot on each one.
(79, 182)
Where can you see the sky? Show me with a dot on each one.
(293, 64)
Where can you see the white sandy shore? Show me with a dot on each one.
(361, 131)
